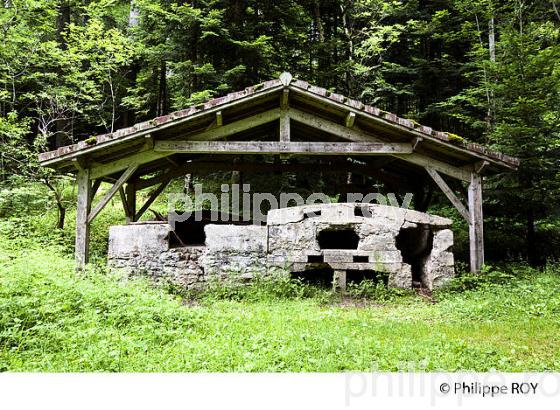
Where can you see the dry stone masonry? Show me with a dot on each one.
(341, 242)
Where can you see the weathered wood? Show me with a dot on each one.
(284, 99)
(284, 127)
(480, 165)
(237, 126)
(130, 192)
(153, 196)
(415, 142)
(449, 193)
(476, 226)
(79, 163)
(140, 157)
(275, 148)
(82, 225)
(107, 197)
(126, 208)
(331, 127)
(95, 186)
(149, 144)
(145, 156)
(350, 119)
(443, 167)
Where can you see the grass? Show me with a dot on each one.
(53, 319)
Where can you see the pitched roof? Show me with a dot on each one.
(445, 146)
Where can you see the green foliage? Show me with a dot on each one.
(374, 290)
(260, 288)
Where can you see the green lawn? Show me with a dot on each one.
(52, 319)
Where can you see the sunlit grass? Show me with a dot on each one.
(53, 319)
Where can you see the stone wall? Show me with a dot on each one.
(410, 246)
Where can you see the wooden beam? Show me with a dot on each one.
(237, 126)
(95, 186)
(285, 128)
(440, 166)
(149, 144)
(140, 157)
(331, 127)
(79, 163)
(151, 199)
(275, 148)
(415, 142)
(82, 224)
(130, 192)
(107, 197)
(350, 119)
(125, 204)
(480, 165)
(449, 193)
(476, 226)
(284, 99)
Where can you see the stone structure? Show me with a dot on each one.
(343, 241)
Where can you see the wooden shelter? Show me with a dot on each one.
(284, 117)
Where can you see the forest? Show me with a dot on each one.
(485, 70)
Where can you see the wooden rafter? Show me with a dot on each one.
(153, 196)
(449, 193)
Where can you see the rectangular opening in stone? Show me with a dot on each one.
(343, 238)
(187, 233)
(320, 276)
(360, 259)
(315, 259)
(357, 276)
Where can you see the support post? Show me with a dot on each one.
(82, 224)
(131, 202)
(476, 224)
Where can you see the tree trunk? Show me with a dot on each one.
(532, 254)
(62, 22)
(162, 93)
(491, 40)
(59, 205)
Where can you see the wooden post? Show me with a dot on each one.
(476, 232)
(131, 202)
(82, 211)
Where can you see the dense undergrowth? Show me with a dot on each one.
(54, 319)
